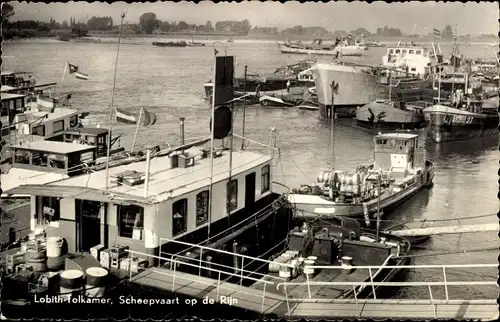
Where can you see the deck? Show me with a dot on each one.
(268, 302)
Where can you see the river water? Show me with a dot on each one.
(169, 82)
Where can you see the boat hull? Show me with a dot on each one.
(305, 205)
(344, 51)
(385, 116)
(447, 124)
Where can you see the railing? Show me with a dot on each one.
(220, 283)
(308, 283)
(226, 272)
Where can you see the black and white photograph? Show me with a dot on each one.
(249, 160)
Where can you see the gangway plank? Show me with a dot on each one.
(444, 230)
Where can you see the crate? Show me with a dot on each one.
(118, 251)
(104, 262)
(96, 251)
(138, 264)
(115, 263)
(125, 264)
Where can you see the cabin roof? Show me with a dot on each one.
(165, 182)
(399, 136)
(9, 96)
(56, 114)
(54, 147)
(88, 130)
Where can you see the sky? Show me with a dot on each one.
(414, 17)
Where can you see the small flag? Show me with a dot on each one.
(125, 117)
(437, 33)
(45, 103)
(216, 51)
(149, 117)
(72, 68)
(83, 76)
(129, 118)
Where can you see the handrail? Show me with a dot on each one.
(395, 284)
(410, 266)
(222, 251)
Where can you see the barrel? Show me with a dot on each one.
(312, 258)
(70, 282)
(96, 281)
(308, 270)
(274, 266)
(54, 246)
(285, 272)
(37, 259)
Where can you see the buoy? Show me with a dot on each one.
(54, 246)
(96, 281)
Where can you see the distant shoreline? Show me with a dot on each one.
(105, 37)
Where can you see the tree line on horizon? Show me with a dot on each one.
(149, 24)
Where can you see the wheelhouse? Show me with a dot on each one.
(97, 137)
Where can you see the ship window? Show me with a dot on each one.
(22, 157)
(382, 142)
(391, 51)
(38, 130)
(39, 158)
(419, 52)
(232, 195)
(265, 178)
(413, 69)
(48, 209)
(404, 51)
(73, 121)
(411, 51)
(202, 204)
(179, 216)
(397, 51)
(130, 218)
(58, 126)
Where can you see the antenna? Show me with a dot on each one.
(111, 108)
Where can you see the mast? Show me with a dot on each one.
(112, 106)
(332, 121)
(454, 60)
(379, 179)
(212, 126)
(244, 109)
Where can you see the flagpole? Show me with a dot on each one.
(212, 139)
(64, 74)
(137, 129)
(111, 108)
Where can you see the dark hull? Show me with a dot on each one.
(255, 238)
(391, 125)
(441, 128)
(169, 44)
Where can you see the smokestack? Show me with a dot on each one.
(181, 123)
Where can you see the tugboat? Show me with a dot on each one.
(391, 115)
(400, 169)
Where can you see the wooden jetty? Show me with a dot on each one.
(270, 298)
(444, 230)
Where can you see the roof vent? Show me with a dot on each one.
(129, 178)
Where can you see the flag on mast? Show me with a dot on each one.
(437, 33)
(74, 69)
(149, 118)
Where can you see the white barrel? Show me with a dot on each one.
(285, 272)
(346, 261)
(71, 279)
(312, 258)
(274, 266)
(285, 255)
(54, 246)
(307, 269)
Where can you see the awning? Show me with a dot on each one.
(77, 193)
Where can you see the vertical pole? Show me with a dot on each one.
(136, 130)
(390, 86)
(439, 85)
(378, 203)
(244, 109)
(111, 108)
(64, 74)
(146, 181)
(210, 189)
(332, 117)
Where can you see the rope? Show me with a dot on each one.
(291, 158)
